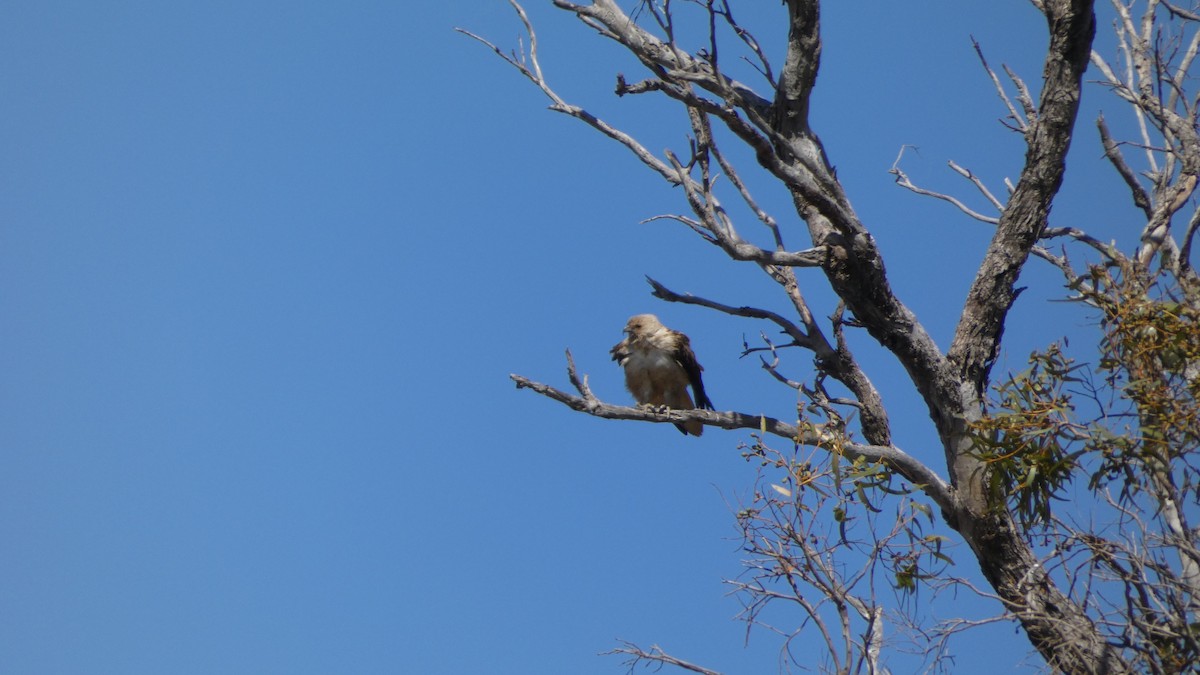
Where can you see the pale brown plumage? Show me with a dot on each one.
(659, 366)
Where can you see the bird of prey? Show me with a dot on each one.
(659, 365)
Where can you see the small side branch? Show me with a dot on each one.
(1113, 153)
(655, 655)
(1185, 251)
(1019, 121)
(978, 183)
(903, 181)
(799, 337)
(528, 65)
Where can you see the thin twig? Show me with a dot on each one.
(1018, 120)
(656, 656)
(903, 181)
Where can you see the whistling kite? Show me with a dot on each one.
(659, 365)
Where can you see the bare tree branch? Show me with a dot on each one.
(1113, 153)
(1019, 122)
(918, 474)
(903, 181)
(656, 656)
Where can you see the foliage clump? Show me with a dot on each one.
(1144, 428)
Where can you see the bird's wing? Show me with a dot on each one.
(687, 359)
(620, 352)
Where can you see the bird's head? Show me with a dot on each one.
(642, 324)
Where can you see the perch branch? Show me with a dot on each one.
(903, 464)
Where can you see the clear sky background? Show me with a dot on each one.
(265, 268)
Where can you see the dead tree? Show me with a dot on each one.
(1088, 601)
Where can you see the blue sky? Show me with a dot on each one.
(266, 267)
